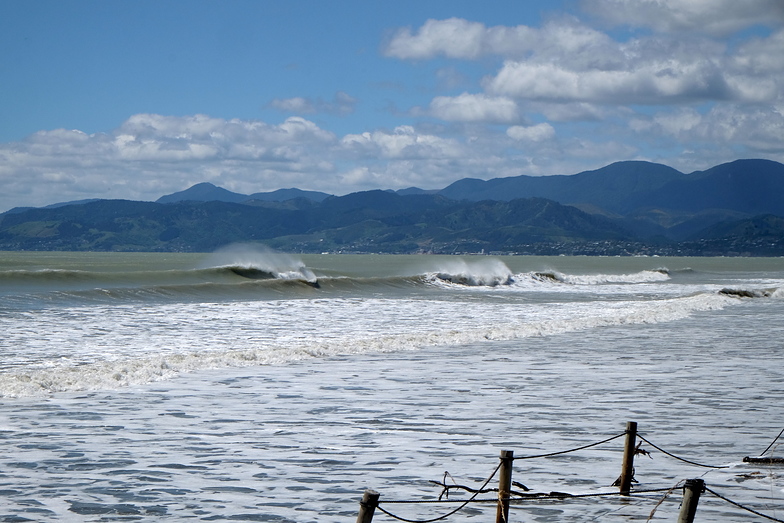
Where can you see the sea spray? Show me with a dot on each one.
(259, 262)
(487, 272)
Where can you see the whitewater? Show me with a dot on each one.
(260, 386)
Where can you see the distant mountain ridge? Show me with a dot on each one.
(207, 192)
(625, 207)
(652, 199)
(608, 188)
(751, 186)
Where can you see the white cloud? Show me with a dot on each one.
(170, 127)
(475, 108)
(151, 152)
(454, 38)
(531, 133)
(403, 143)
(566, 61)
(651, 71)
(302, 129)
(761, 57)
(462, 39)
(759, 129)
(714, 17)
(659, 82)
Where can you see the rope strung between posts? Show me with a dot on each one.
(564, 495)
(458, 509)
(530, 497)
(743, 507)
(682, 459)
(774, 442)
(571, 450)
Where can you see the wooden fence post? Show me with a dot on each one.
(367, 506)
(627, 467)
(504, 486)
(691, 496)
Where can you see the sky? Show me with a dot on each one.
(134, 100)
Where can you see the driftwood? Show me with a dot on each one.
(764, 461)
(446, 488)
(525, 494)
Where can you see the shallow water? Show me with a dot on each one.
(420, 377)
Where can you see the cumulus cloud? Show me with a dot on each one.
(649, 71)
(151, 152)
(714, 17)
(462, 39)
(454, 38)
(402, 142)
(566, 61)
(475, 108)
(660, 82)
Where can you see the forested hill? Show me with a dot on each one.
(624, 208)
(748, 186)
(376, 221)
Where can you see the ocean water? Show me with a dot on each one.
(248, 385)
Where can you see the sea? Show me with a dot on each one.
(252, 385)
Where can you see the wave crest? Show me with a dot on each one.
(257, 262)
(487, 272)
(750, 293)
(650, 276)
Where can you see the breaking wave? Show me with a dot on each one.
(492, 273)
(482, 272)
(752, 293)
(652, 276)
(258, 262)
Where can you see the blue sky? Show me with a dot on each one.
(139, 99)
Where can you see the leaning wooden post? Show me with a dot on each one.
(367, 506)
(504, 486)
(627, 468)
(691, 496)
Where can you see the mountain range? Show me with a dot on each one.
(631, 207)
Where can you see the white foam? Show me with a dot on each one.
(599, 279)
(473, 272)
(188, 337)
